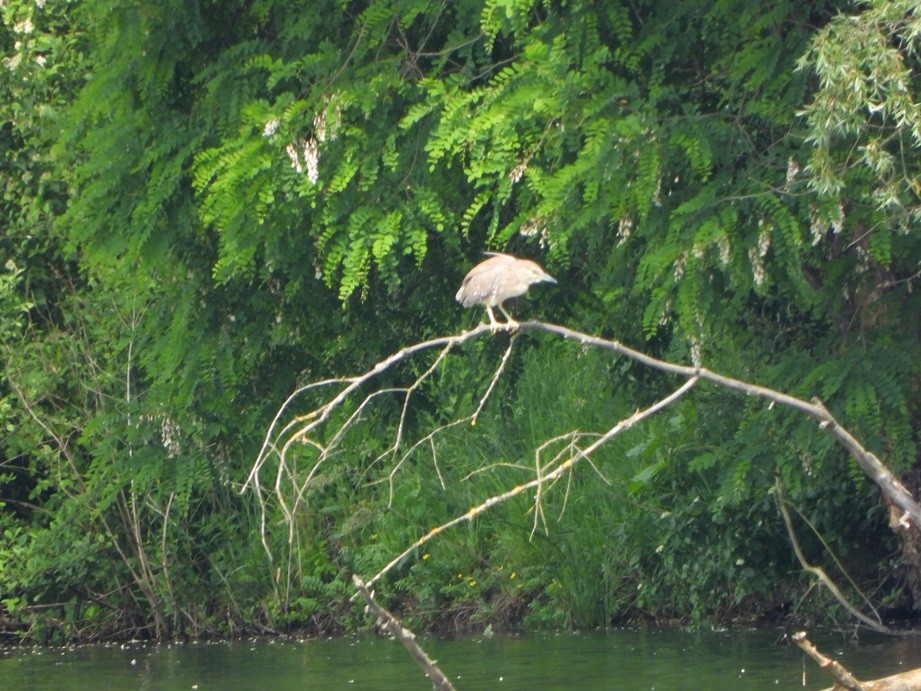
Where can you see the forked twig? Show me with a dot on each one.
(819, 572)
(290, 486)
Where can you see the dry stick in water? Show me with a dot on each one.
(388, 622)
(837, 671)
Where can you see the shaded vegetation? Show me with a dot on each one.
(208, 204)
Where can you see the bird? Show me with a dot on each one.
(495, 280)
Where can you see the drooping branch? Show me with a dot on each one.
(871, 465)
(819, 572)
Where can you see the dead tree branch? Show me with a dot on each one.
(871, 465)
(819, 572)
(387, 622)
(537, 483)
(835, 670)
(303, 428)
(291, 483)
(904, 681)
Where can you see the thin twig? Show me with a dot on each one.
(819, 572)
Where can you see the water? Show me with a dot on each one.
(612, 660)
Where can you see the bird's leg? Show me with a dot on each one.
(511, 321)
(492, 317)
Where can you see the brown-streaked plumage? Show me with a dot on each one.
(495, 280)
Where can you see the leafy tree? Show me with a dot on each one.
(263, 194)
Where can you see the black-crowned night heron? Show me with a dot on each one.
(502, 276)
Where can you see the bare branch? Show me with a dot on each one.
(281, 437)
(552, 459)
(539, 481)
(388, 622)
(819, 572)
(837, 672)
(871, 465)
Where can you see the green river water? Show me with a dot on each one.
(629, 659)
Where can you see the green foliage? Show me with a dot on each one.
(208, 205)
(863, 119)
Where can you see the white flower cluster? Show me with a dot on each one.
(24, 27)
(304, 154)
(271, 127)
(819, 223)
(756, 254)
(792, 170)
(535, 226)
(169, 436)
(311, 158)
(696, 357)
(723, 244)
(624, 228)
(517, 172)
